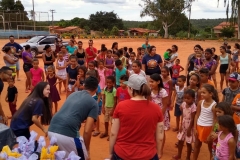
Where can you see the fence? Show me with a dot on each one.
(22, 33)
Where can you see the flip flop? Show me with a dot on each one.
(103, 135)
(95, 134)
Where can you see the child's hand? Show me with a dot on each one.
(78, 77)
(189, 132)
(214, 135)
(103, 110)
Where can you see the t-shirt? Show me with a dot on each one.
(136, 137)
(166, 56)
(142, 73)
(146, 46)
(24, 119)
(90, 53)
(230, 94)
(157, 98)
(238, 141)
(96, 96)
(24, 55)
(11, 92)
(236, 101)
(36, 75)
(119, 73)
(176, 71)
(77, 108)
(152, 64)
(122, 94)
(211, 83)
(109, 97)
(71, 49)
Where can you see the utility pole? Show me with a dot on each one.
(34, 23)
(52, 11)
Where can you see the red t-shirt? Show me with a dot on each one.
(176, 71)
(136, 136)
(122, 94)
(90, 53)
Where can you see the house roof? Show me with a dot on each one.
(54, 27)
(67, 29)
(142, 30)
(224, 24)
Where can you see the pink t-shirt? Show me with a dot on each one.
(222, 149)
(36, 75)
(122, 94)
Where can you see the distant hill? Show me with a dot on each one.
(203, 23)
(133, 24)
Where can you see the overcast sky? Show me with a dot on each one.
(126, 9)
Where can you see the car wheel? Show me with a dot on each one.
(34, 52)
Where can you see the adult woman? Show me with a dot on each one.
(115, 47)
(235, 59)
(27, 65)
(71, 48)
(191, 59)
(48, 57)
(151, 62)
(210, 63)
(80, 53)
(37, 104)
(102, 55)
(140, 113)
(10, 60)
(225, 61)
(173, 57)
(216, 58)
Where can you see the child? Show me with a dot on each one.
(102, 74)
(123, 58)
(109, 103)
(72, 72)
(109, 63)
(167, 54)
(122, 92)
(82, 70)
(222, 108)
(230, 92)
(11, 97)
(198, 62)
(168, 86)
(92, 66)
(137, 69)
(194, 84)
(205, 118)
(131, 60)
(130, 50)
(226, 144)
(188, 108)
(139, 54)
(126, 54)
(36, 73)
(119, 71)
(204, 76)
(52, 80)
(160, 96)
(62, 72)
(176, 69)
(178, 95)
(98, 97)
(236, 108)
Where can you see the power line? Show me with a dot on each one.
(52, 11)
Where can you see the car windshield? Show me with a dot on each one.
(35, 39)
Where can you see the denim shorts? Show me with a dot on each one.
(177, 111)
(174, 81)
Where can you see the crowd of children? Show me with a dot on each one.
(200, 116)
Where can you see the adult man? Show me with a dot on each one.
(65, 125)
(146, 45)
(18, 52)
(5, 74)
(90, 51)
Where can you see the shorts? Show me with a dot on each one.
(107, 116)
(223, 68)
(203, 132)
(64, 77)
(69, 144)
(174, 81)
(14, 70)
(27, 67)
(75, 89)
(177, 111)
(236, 118)
(81, 62)
(18, 65)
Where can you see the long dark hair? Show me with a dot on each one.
(227, 122)
(33, 98)
(212, 90)
(157, 77)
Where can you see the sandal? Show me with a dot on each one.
(103, 135)
(95, 134)
(175, 157)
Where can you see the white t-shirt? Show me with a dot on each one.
(142, 73)
(170, 64)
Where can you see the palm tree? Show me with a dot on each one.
(235, 15)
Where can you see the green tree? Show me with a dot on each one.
(228, 32)
(18, 6)
(104, 20)
(87, 29)
(106, 32)
(164, 11)
(7, 4)
(115, 31)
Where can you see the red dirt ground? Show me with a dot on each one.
(100, 147)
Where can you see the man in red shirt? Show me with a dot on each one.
(176, 69)
(91, 52)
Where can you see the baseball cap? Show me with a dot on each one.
(225, 43)
(135, 81)
(234, 76)
(46, 47)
